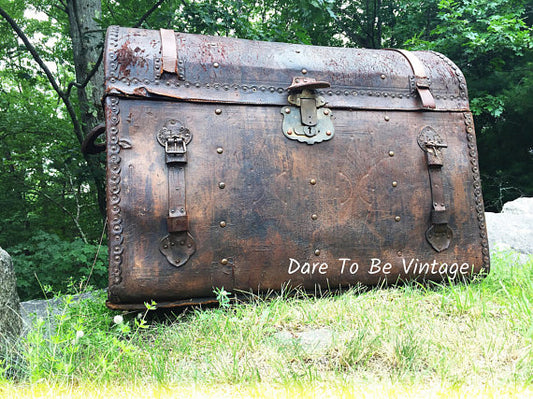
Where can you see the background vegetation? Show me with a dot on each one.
(51, 196)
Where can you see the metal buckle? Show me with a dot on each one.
(172, 146)
(422, 82)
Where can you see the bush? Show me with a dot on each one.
(47, 263)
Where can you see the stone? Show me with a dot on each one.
(10, 320)
(512, 229)
(48, 309)
(520, 206)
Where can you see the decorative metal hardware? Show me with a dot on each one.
(174, 137)
(178, 245)
(307, 120)
(178, 248)
(439, 234)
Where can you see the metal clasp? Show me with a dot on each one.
(174, 137)
(307, 120)
(434, 152)
(175, 145)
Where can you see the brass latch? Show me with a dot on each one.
(306, 119)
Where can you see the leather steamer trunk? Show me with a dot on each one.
(254, 166)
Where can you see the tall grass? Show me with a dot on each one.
(413, 338)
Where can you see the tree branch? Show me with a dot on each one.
(89, 76)
(64, 5)
(32, 50)
(148, 13)
(70, 109)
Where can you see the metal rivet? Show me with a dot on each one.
(312, 181)
(314, 216)
(223, 224)
(172, 243)
(287, 110)
(165, 246)
(224, 261)
(391, 153)
(328, 133)
(387, 118)
(304, 71)
(397, 218)
(216, 65)
(182, 242)
(326, 112)
(383, 76)
(317, 252)
(220, 150)
(289, 131)
(222, 185)
(218, 111)
(394, 183)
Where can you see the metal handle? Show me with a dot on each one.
(301, 83)
(89, 145)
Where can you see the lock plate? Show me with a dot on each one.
(306, 119)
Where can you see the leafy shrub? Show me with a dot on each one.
(47, 263)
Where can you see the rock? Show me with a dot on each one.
(512, 229)
(47, 309)
(520, 206)
(10, 320)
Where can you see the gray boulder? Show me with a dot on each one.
(512, 229)
(10, 320)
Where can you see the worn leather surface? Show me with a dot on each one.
(266, 211)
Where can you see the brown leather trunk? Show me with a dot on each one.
(253, 166)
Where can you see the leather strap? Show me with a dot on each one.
(178, 246)
(439, 234)
(169, 53)
(177, 215)
(421, 80)
(439, 214)
(176, 159)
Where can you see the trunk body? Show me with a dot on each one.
(216, 178)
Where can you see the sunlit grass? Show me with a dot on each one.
(460, 340)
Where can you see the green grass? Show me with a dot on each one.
(459, 340)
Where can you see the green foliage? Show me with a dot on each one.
(57, 348)
(46, 262)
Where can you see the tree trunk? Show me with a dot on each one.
(87, 41)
